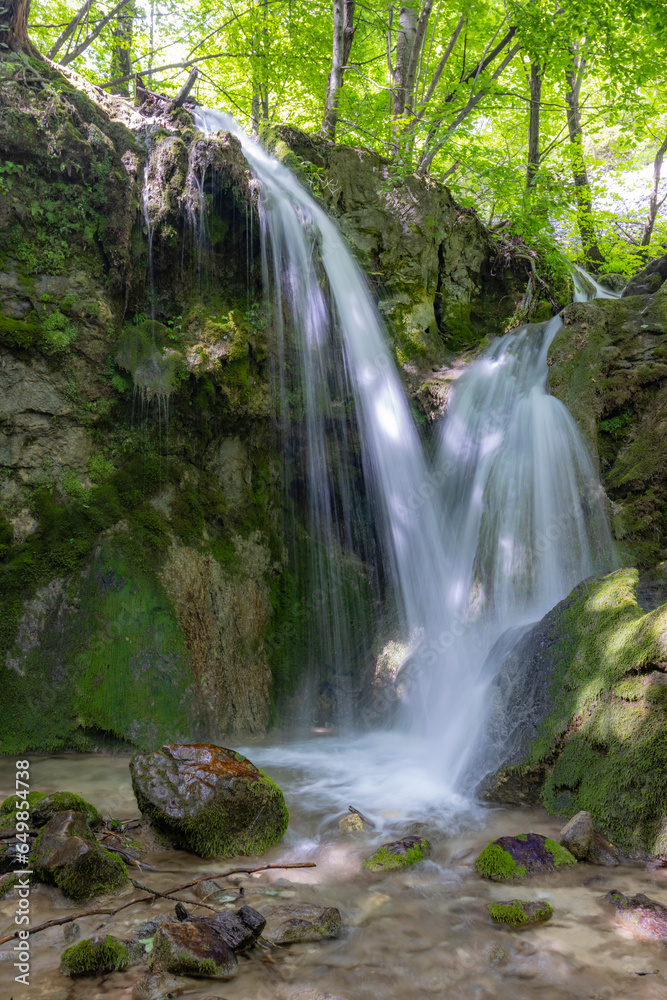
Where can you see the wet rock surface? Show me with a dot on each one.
(289, 923)
(645, 917)
(238, 928)
(398, 854)
(209, 800)
(56, 802)
(66, 854)
(192, 948)
(525, 854)
(520, 913)
(577, 835)
(603, 852)
(157, 986)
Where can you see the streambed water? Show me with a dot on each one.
(421, 933)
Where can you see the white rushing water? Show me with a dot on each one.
(519, 517)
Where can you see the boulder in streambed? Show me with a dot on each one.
(400, 854)
(67, 855)
(577, 835)
(289, 923)
(192, 948)
(586, 844)
(520, 913)
(158, 985)
(525, 854)
(645, 917)
(48, 805)
(209, 800)
(238, 928)
(99, 955)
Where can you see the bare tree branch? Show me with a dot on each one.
(69, 29)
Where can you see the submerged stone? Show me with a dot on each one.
(238, 928)
(643, 916)
(192, 948)
(525, 854)
(157, 986)
(67, 855)
(288, 923)
(209, 800)
(98, 956)
(400, 854)
(520, 912)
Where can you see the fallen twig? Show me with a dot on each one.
(154, 894)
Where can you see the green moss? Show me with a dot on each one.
(496, 863)
(179, 961)
(96, 873)
(602, 746)
(560, 854)
(56, 802)
(518, 912)
(7, 883)
(12, 805)
(95, 957)
(386, 860)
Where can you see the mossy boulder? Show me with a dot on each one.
(99, 956)
(287, 923)
(67, 855)
(13, 805)
(209, 800)
(594, 738)
(192, 948)
(48, 805)
(399, 854)
(525, 854)
(520, 913)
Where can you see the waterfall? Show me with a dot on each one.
(511, 517)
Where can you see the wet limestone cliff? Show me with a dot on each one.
(146, 591)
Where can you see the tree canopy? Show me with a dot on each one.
(525, 107)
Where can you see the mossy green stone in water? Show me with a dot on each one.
(520, 912)
(402, 854)
(561, 855)
(95, 957)
(494, 862)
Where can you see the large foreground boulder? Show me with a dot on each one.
(581, 705)
(209, 800)
(66, 854)
(288, 923)
(644, 917)
(193, 948)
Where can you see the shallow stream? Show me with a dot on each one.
(421, 933)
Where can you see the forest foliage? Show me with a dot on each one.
(530, 110)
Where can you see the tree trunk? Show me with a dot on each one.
(121, 54)
(654, 204)
(534, 124)
(14, 27)
(343, 33)
(407, 30)
(589, 242)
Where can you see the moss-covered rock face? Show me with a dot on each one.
(608, 364)
(48, 805)
(525, 854)
(209, 800)
(67, 855)
(99, 956)
(521, 913)
(11, 806)
(399, 854)
(192, 948)
(600, 709)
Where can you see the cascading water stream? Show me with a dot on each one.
(520, 518)
(298, 236)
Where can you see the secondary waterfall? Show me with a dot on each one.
(511, 517)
